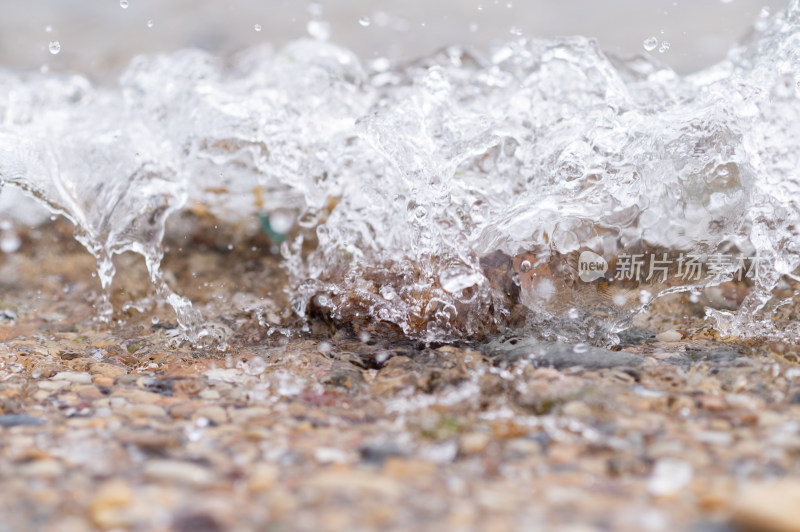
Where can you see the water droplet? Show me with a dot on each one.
(123, 4)
(380, 64)
(54, 47)
(257, 366)
(154, 320)
(364, 21)
(645, 297)
(48, 29)
(525, 266)
(388, 293)
(580, 348)
(9, 242)
(502, 54)
(281, 221)
(257, 27)
(763, 19)
(319, 29)
(650, 44)
(150, 23)
(664, 47)
(473, 27)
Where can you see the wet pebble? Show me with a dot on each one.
(669, 336)
(74, 377)
(213, 413)
(144, 411)
(263, 477)
(14, 420)
(177, 471)
(106, 505)
(769, 507)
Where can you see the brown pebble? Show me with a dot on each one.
(408, 468)
(102, 381)
(769, 507)
(474, 442)
(104, 509)
(263, 478)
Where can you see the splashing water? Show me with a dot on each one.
(454, 196)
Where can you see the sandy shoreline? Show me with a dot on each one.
(107, 428)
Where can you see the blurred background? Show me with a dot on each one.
(98, 37)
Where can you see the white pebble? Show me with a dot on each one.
(669, 336)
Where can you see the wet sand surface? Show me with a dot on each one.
(113, 427)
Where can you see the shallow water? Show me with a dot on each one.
(453, 196)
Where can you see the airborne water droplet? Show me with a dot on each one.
(650, 44)
(257, 27)
(763, 19)
(123, 4)
(364, 21)
(319, 29)
(54, 47)
(149, 23)
(664, 47)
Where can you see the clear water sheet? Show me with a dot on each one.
(462, 194)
